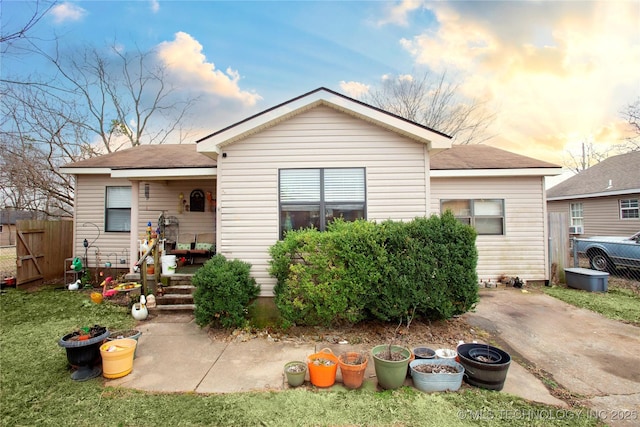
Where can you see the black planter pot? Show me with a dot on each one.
(85, 355)
(491, 375)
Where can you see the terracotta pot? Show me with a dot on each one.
(352, 374)
(150, 269)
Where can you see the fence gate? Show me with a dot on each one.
(41, 250)
(558, 245)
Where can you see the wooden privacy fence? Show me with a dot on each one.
(558, 245)
(41, 250)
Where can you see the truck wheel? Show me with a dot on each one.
(600, 262)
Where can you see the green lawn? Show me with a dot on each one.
(36, 388)
(619, 303)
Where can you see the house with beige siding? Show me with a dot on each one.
(309, 160)
(602, 200)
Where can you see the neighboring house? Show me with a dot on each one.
(8, 218)
(316, 157)
(602, 200)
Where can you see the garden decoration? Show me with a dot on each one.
(83, 351)
(75, 285)
(139, 310)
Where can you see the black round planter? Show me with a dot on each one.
(84, 354)
(491, 375)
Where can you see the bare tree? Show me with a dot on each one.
(98, 102)
(10, 33)
(434, 101)
(589, 156)
(632, 115)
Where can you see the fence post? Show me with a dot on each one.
(576, 261)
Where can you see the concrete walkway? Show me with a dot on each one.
(175, 355)
(586, 353)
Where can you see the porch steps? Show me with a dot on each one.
(177, 296)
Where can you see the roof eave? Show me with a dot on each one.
(599, 194)
(462, 173)
(149, 174)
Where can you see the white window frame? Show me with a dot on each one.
(120, 207)
(320, 198)
(473, 217)
(632, 207)
(576, 212)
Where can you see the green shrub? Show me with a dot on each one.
(317, 281)
(388, 271)
(224, 290)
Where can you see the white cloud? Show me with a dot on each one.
(155, 6)
(397, 14)
(561, 75)
(184, 58)
(64, 12)
(354, 89)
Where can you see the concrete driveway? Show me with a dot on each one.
(595, 358)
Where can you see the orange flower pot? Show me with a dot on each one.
(322, 368)
(352, 374)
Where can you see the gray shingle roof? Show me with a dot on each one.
(164, 156)
(169, 156)
(613, 175)
(483, 157)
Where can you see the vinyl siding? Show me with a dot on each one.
(521, 251)
(163, 195)
(601, 215)
(396, 180)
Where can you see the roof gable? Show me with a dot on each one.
(322, 96)
(614, 175)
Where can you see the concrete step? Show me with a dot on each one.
(173, 308)
(179, 289)
(173, 299)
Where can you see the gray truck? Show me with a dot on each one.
(607, 253)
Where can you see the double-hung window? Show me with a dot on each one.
(577, 214)
(118, 209)
(485, 215)
(314, 197)
(629, 209)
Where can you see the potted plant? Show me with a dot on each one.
(127, 333)
(391, 362)
(322, 368)
(436, 374)
(352, 366)
(83, 351)
(295, 372)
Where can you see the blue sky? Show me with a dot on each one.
(556, 73)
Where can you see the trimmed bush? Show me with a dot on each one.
(224, 290)
(362, 270)
(324, 277)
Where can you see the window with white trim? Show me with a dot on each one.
(629, 209)
(118, 209)
(485, 215)
(577, 214)
(314, 197)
